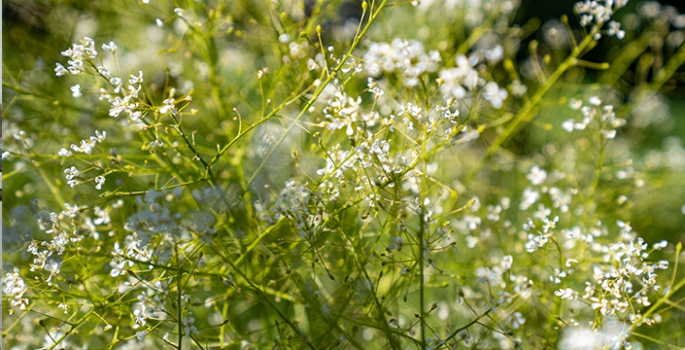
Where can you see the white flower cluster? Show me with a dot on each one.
(622, 283)
(612, 335)
(294, 205)
(405, 57)
(133, 249)
(83, 57)
(14, 288)
(474, 12)
(597, 11)
(86, 146)
(603, 115)
(78, 55)
(342, 111)
(456, 82)
(66, 227)
(188, 324)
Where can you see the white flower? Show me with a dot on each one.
(168, 106)
(112, 47)
(76, 91)
(536, 175)
(609, 134)
(64, 153)
(530, 196)
(472, 222)
(117, 83)
(188, 326)
(455, 81)
(139, 317)
(71, 173)
(660, 245)
(568, 294)
(615, 29)
(60, 70)
(568, 125)
(507, 261)
(406, 57)
(85, 147)
(141, 335)
(99, 136)
(493, 93)
(99, 181)
(595, 101)
(611, 336)
(64, 307)
(14, 287)
(136, 79)
(516, 319)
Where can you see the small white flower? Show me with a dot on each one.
(595, 101)
(99, 136)
(71, 172)
(609, 134)
(136, 79)
(99, 181)
(112, 47)
(615, 29)
(568, 294)
(568, 125)
(64, 153)
(64, 307)
(141, 335)
(76, 91)
(660, 245)
(168, 106)
(60, 70)
(517, 320)
(139, 317)
(507, 261)
(536, 175)
(188, 326)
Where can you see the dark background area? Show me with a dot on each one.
(553, 9)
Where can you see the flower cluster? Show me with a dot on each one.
(602, 115)
(84, 57)
(410, 172)
(405, 57)
(597, 12)
(14, 288)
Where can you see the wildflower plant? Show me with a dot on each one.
(310, 175)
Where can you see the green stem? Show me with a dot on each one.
(318, 92)
(526, 113)
(179, 275)
(71, 330)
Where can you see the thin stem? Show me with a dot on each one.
(71, 330)
(318, 92)
(179, 275)
(526, 113)
(474, 321)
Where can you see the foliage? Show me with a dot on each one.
(329, 174)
